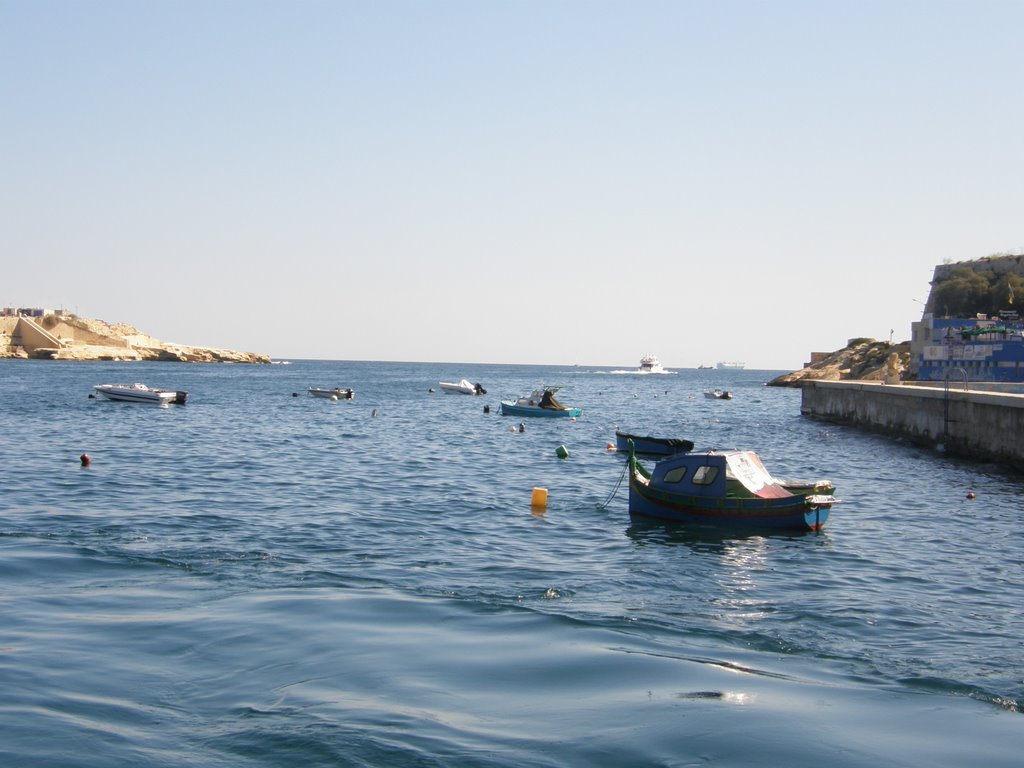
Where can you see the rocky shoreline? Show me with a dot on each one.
(68, 337)
(860, 360)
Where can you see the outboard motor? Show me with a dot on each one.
(180, 397)
(479, 390)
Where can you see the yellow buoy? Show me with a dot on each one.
(539, 498)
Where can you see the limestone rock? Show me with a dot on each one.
(861, 360)
(77, 338)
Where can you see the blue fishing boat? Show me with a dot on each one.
(726, 488)
(540, 402)
(655, 446)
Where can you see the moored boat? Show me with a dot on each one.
(140, 393)
(730, 366)
(338, 393)
(719, 394)
(461, 387)
(657, 446)
(725, 488)
(540, 402)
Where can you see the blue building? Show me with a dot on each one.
(979, 349)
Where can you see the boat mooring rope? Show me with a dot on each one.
(618, 483)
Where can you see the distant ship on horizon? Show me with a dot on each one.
(733, 366)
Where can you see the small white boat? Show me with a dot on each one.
(650, 364)
(730, 366)
(140, 393)
(333, 394)
(462, 387)
(719, 394)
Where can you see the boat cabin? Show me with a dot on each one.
(717, 474)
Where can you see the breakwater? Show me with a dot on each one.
(979, 424)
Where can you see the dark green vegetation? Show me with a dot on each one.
(966, 293)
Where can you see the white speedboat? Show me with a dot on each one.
(650, 364)
(719, 394)
(462, 387)
(140, 393)
(333, 394)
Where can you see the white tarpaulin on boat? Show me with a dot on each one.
(748, 469)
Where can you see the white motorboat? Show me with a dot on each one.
(140, 393)
(462, 387)
(333, 394)
(719, 394)
(730, 366)
(650, 364)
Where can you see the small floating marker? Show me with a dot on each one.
(334, 397)
(85, 459)
(562, 452)
(487, 409)
(539, 497)
(295, 394)
(610, 446)
(374, 412)
(970, 494)
(522, 427)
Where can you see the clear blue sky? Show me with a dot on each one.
(521, 182)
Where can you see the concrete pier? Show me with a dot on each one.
(982, 425)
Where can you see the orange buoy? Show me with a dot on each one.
(539, 497)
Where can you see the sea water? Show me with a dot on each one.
(263, 578)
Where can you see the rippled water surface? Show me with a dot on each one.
(264, 579)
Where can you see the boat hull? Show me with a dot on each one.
(513, 409)
(653, 446)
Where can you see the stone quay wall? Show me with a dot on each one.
(978, 424)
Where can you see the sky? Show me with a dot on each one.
(525, 182)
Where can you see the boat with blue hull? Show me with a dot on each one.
(654, 446)
(726, 488)
(540, 402)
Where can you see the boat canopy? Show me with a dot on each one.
(746, 467)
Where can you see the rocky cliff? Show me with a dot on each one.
(861, 359)
(67, 337)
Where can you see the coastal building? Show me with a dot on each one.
(975, 349)
(970, 329)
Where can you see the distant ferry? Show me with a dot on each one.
(731, 366)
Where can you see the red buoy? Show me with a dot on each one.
(84, 458)
(970, 494)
